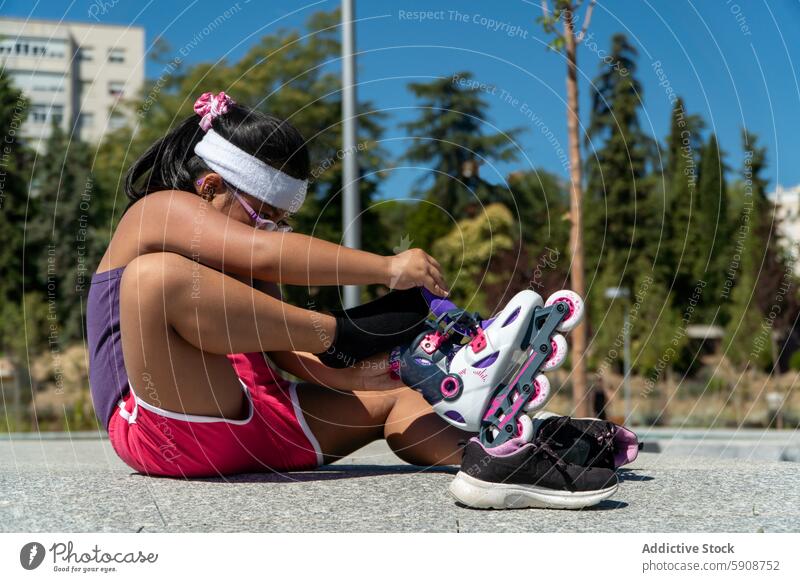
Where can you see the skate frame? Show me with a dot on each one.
(504, 411)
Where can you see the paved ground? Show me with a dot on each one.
(743, 443)
(80, 485)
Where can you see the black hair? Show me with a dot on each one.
(171, 164)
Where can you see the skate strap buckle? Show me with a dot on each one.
(478, 342)
(431, 342)
(459, 320)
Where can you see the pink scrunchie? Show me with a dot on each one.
(210, 106)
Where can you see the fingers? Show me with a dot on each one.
(421, 269)
(438, 279)
(434, 285)
(434, 262)
(436, 272)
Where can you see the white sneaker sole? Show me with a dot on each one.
(484, 495)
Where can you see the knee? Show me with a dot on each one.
(154, 277)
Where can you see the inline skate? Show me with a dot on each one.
(484, 375)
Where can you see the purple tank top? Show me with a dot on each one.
(108, 379)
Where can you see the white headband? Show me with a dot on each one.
(251, 175)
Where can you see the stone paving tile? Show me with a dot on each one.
(80, 485)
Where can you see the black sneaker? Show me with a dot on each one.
(528, 475)
(588, 442)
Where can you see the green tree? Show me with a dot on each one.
(66, 234)
(763, 279)
(683, 227)
(714, 232)
(539, 202)
(14, 177)
(617, 170)
(629, 220)
(685, 130)
(450, 137)
(468, 251)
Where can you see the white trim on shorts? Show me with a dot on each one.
(298, 413)
(301, 420)
(131, 416)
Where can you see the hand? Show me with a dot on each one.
(416, 268)
(371, 374)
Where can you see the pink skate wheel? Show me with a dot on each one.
(450, 387)
(575, 306)
(525, 428)
(558, 355)
(541, 391)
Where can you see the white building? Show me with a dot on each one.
(72, 73)
(787, 210)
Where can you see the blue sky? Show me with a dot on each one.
(735, 63)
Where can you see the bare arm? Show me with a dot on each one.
(183, 223)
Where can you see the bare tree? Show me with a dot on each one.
(566, 39)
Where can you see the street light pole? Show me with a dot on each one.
(351, 222)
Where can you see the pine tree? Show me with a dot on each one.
(714, 241)
(617, 167)
(628, 218)
(764, 284)
(450, 137)
(685, 129)
(683, 227)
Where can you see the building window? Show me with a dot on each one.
(37, 81)
(38, 113)
(116, 88)
(34, 47)
(85, 120)
(41, 113)
(116, 55)
(57, 114)
(86, 53)
(116, 121)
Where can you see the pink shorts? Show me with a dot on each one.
(273, 437)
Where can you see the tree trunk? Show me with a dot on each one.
(578, 335)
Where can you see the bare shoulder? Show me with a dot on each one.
(143, 225)
(160, 203)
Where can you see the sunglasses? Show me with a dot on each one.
(259, 222)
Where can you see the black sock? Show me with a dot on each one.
(378, 326)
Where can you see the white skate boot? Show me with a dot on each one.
(487, 383)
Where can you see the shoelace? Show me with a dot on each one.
(604, 438)
(543, 446)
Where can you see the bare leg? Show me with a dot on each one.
(419, 436)
(344, 422)
(179, 319)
